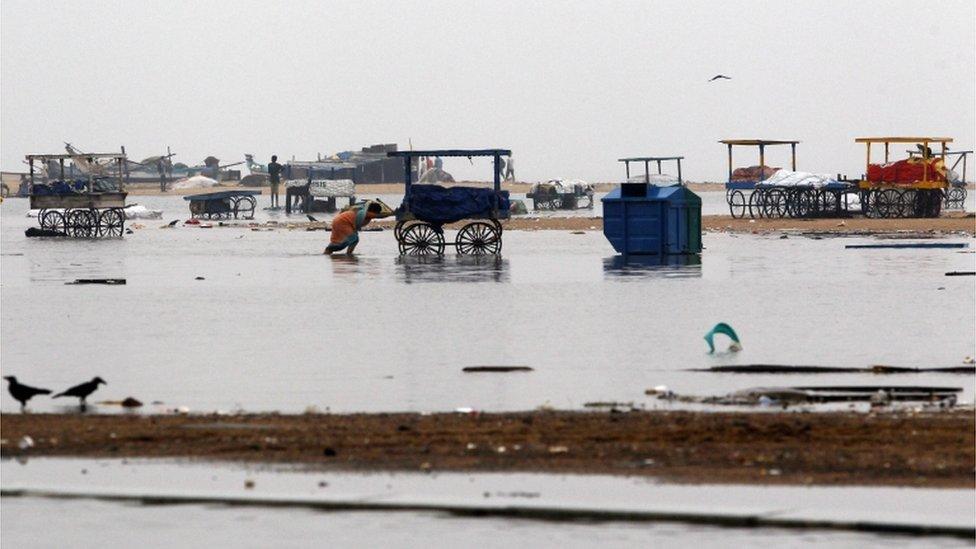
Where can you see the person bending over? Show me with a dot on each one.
(346, 225)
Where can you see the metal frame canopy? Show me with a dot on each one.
(762, 144)
(119, 158)
(647, 160)
(924, 141)
(408, 157)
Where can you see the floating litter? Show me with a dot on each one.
(723, 328)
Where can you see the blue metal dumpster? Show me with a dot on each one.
(640, 218)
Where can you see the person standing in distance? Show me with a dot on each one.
(274, 177)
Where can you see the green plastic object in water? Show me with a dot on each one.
(722, 328)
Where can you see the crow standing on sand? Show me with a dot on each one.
(83, 390)
(312, 219)
(719, 77)
(22, 393)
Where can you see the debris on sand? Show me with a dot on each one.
(801, 369)
(875, 394)
(472, 369)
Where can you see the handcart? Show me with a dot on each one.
(426, 208)
(761, 191)
(87, 207)
(558, 194)
(912, 187)
(239, 204)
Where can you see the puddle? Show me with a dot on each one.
(135, 479)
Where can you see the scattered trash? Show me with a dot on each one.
(790, 369)
(108, 281)
(658, 390)
(464, 410)
(471, 369)
(723, 328)
(558, 450)
(969, 360)
(25, 443)
(909, 245)
(501, 449)
(248, 484)
(471, 447)
(199, 278)
(36, 232)
(786, 396)
(578, 232)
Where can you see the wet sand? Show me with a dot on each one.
(950, 224)
(894, 449)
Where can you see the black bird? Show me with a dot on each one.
(23, 393)
(312, 219)
(83, 390)
(720, 77)
(174, 222)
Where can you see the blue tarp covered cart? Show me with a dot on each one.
(223, 204)
(427, 208)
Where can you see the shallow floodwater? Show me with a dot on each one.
(40, 522)
(274, 325)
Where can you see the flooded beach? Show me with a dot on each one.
(260, 331)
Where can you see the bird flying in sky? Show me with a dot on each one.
(720, 77)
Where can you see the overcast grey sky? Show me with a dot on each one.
(568, 86)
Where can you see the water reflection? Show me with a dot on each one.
(355, 267)
(458, 268)
(652, 266)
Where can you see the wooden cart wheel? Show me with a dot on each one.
(757, 199)
(883, 203)
(737, 204)
(81, 223)
(867, 203)
(40, 218)
(479, 238)
(906, 203)
(774, 204)
(244, 207)
(421, 239)
(934, 202)
(52, 220)
(955, 198)
(398, 230)
(111, 222)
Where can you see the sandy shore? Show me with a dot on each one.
(897, 449)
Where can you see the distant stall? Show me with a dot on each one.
(561, 194)
(317, 195)
(239, 204)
